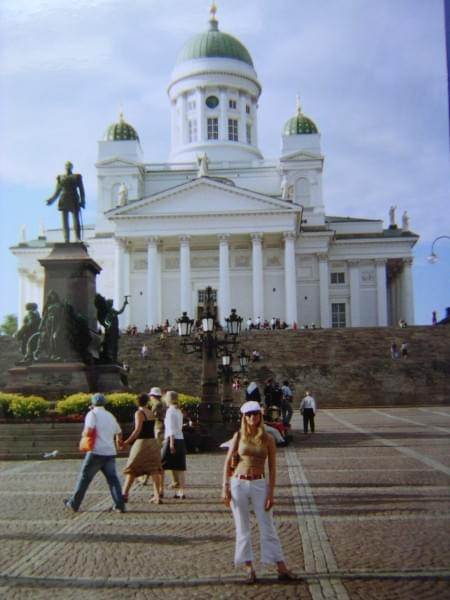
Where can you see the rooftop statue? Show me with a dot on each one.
(69, 188)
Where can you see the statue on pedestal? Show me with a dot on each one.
(30, 325)
(69, 188)
(108, 317)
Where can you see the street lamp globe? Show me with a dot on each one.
(226, 360)
(185, 325)
(234, 322)
(208, 323)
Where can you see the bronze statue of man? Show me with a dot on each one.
(69, 188)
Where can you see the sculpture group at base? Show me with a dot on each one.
(62, 334)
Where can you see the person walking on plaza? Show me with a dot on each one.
(286, 403)
(145, 457)
(245, 484)
(102, 457)
(173, 452)
(157, 406)
(308, 410)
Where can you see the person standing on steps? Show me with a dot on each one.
(308, 410)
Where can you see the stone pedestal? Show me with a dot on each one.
(72, 368)
(71, 273)
(53, 381)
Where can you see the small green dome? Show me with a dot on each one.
(214, 43)
(121, 131)
(299, 124)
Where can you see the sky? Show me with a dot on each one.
(372, 76)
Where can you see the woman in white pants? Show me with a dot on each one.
(246, 483)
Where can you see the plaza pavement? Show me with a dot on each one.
(362, 508)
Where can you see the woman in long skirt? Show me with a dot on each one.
(144, 458)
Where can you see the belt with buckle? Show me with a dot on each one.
(250, 477)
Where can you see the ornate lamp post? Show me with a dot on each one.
(209, 345)
(433, 258)
(227, 374)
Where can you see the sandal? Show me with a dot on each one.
(250, 578)
(155, 500)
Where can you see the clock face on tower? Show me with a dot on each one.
(212, 101)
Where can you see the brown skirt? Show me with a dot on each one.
(144, 458)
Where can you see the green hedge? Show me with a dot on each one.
(121, 404)
(23, 407)
(76, 404)
(188, 402)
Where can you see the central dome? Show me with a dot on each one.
(214, 43)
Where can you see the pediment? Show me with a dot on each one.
(116, 162)
(203, 196)
(301, 155)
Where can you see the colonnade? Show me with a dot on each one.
(154, 313)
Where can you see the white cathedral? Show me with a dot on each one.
(219, 214)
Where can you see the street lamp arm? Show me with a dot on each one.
(433, 256)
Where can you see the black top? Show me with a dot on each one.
(148, 429)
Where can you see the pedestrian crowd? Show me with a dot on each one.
(157, 445)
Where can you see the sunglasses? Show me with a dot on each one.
(253, 413)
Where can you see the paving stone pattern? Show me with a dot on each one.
(362, 508)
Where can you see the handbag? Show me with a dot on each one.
(87, 441)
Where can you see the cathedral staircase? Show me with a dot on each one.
(349, 368)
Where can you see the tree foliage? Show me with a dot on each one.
(9, 325)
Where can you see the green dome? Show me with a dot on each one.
(214, 43)
(299, 124)
(121, 131)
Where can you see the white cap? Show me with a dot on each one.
(250, 406)
(251, 387)
(155, 391)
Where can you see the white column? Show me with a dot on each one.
(355, 294)
(254, 115)
(224, 278)
(201, 118)
(407, 292)
(183, 120)
(122, 281)
(154, 316)
(380, 266)
(223, 118)
(324, 291)
(257, 276)
(185, 275)
(242, 133)
(290, 278)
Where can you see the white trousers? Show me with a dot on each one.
(255, 491)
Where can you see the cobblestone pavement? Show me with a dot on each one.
(362, 508)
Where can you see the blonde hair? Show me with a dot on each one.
(171, 398)
(246, 436)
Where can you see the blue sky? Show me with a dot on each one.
(372, 76)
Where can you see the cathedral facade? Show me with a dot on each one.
(219, 214)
